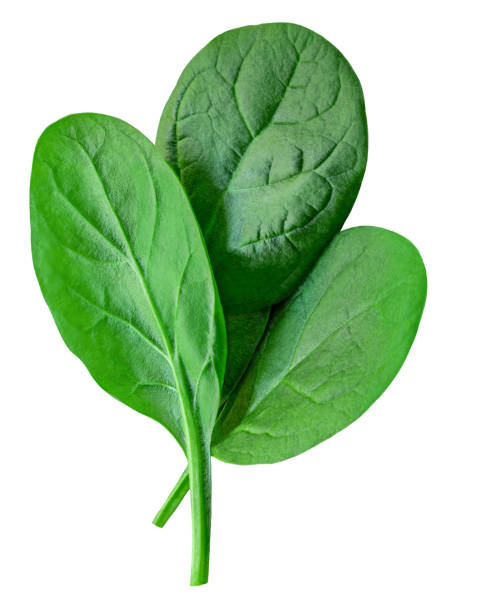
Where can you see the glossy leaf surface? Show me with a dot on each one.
(122, 265)
(330, 351)
(266, 129)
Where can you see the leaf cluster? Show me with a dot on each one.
(204, 280)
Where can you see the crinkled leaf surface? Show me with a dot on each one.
(266, 129)
(244, 332)
(329, 351)
(123, 268)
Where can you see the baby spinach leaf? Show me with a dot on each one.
(266, 129)
(329, 352)
(122, 265)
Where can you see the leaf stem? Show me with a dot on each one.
(173, 501)
(199, 476)
(200, 497)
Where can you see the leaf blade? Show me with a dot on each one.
(270, 180)
(84, 235)
(330, 351)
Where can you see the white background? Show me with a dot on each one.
(382, 517)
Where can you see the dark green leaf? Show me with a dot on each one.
(329, 352)
(266, 129)
(123, 267)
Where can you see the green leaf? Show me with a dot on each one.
(266, 129)
(329, 352)
(327, 355)
(123, 267)
(244, 332)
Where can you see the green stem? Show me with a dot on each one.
(200, 496)
(199, 476)
(179, 491)
(173, 501)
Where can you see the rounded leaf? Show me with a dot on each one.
(266, 129)
(123, 267)
(329, 352)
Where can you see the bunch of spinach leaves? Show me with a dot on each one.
(214, 291)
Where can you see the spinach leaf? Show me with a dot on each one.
(123, 267)
(266, 129)
(329, 352)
